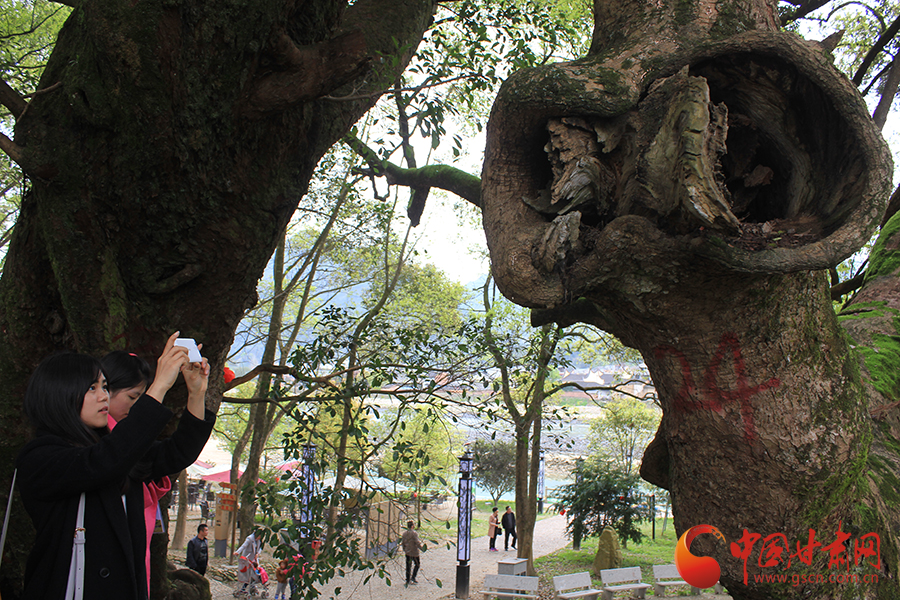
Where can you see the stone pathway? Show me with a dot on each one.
(439, 564)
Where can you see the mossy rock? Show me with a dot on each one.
(609, 553)
(188, 585)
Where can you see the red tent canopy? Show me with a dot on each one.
(223, 476)
(289, 465)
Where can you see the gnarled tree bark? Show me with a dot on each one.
(728, 165)
(167, 164)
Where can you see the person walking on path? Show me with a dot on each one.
(493, 530)
(411, 547)
(197, 551)
(509, 528)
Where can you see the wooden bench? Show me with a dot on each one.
(622, 580)
(667, 575)
(509, 586)
(576, 585)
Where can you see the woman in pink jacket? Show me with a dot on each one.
(128, 377)
(75, 460)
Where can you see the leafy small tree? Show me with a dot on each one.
(495, 467)
(602, 497)
(423, 452)
(621, 434)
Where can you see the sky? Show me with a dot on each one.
(455, 247)
(452, 239)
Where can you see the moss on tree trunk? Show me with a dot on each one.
(707, 207)
(164, 170)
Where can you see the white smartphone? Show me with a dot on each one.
(193, 351)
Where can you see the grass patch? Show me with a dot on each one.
(649, 552)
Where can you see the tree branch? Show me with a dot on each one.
(13, 150)
(428, 84)
(887, 94)
(17, 154)
(803, 9)
(892, 207)
(875, 50)
(12, 100)
(281, 370)
(445, 177)
(845, 287)
(37, 93)
(250, 375)
(305, 73)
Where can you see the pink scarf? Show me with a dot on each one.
(153, 491)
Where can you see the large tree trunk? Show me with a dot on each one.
(261, 421)
(178, 534)
(164, 169)
(700, 172)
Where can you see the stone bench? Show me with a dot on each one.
(667, 575)
(576, 585)
(505, 587)
(623, 580)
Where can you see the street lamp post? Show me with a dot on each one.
(464, 531)
(308, 477)
(540, 485)
(576, 518)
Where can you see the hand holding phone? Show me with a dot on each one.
(193, 351)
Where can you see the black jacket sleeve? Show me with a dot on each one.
(49, 467)
(182, 449)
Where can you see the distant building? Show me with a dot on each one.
(632, 381)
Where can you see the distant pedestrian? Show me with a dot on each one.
(509, 528)
(411, 547)
(281, 576)
(197, 551)
(204, 506)
(493, 529)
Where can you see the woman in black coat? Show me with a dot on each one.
(74, 452)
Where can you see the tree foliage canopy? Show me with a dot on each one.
(623, 431)
(495, 466)
(601, 497)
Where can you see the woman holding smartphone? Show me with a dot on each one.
(75, 453)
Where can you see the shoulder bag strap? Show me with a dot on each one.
(75, 586)
(6, 517)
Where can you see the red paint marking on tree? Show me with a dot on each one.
(712, 397)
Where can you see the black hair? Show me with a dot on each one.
(55, 396)
(201, 527)
(124, 370)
